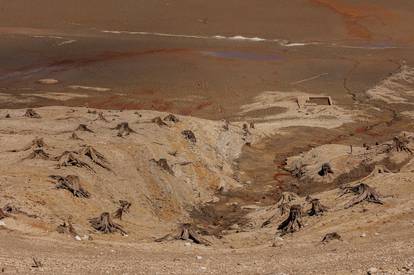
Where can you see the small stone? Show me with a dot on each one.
(363, 235)
(187, 244)
(78, 238)
(372, 270)
(203, 268)
(376, 234)
(199, 257)
(2, 223)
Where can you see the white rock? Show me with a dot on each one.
(363, 235)
(2, 223)
(372, 270)
(203, 268)
(78, 238)
(187, 244)
(199, 257)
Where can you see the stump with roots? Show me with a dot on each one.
(294, 222)
(331, 236)
(3, 214)
(72, 184)
(38, 153)
(185, 232)
(101, 117)
(363, 192)
(325, 170)
(31, 114)
(401, 144)
(95, 156)
(34, 144)
(189, 135)
(66, 228)
(157, 120)
(171, 118)
(104, 224)
(317, 208)
(163, 164)
(283, 205)
(123, 208)
(123, 129)
(74, 136)
(83, 128)
(69, 158)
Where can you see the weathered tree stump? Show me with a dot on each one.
(38, 153)
(363, 192)
(104, 224)
(283, 205)
(69, 158)
(83, 128)
(189, 135)
(123, 208)
(95, 156)
(171, 118)
(66, 228)
(157, 120)
(401, 144)
(31, 114)
(3, 214)
(101, 117)
(34, 144)
(185, 232)
(11, 209)
(294, 222)
(72, 184)
(331, 236)
(163, 164)
(325, 170)
(317, 208)
(123, 129)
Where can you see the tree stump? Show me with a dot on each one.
(171, 118)
(101, 117)
(66, 228)
(317, 208)
(95, 156)
(331, 236)
(38, 153)
(69, 158)
(283, 205)
(363, 192)
(83, 128)
(31, 114)
(104, 224)
(294, 222)
(34, 144)
(123, 208)
(325, 170)
(189, 135)
(185, 232)
(401, 144)
(163, 164)
(157, 120)
(72, 184)
(123, 129)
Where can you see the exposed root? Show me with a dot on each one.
(34, 144)
(157, 120)
(95, 156)
(36, 263)
(185, 232)
(38, 153)
(331, 236)
(31, 114)
(104, 224)
(101, 117)
(364, 192)
(123, 129)
(189, 135)
(83, 128)
(163, 164)
(317, 208)
(294, 222)
(72, 184)
(401, 144)
(66, 228)
(69, 158)
(123, 208)
(171, 118)
(10, 209)
(325, 170)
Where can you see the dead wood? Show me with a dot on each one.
(69, 158)
(31, 114)
(74, 136)
(72, 184)
(123, 129)
(283, 205)
(91, 112)
(157, 120)
(34, 144)
(317, 208)
(123, 208)
(38, 153)
(10, 209)
(331, 236)
(363, 192)
(189, 135)
(325, 170)
(185, 232)
(95, 156)
(36, 263)
(294, 222)
(66, 228)
(104, 224)
(101, 117)
(401, 144)
(171, 118)
(83, 128)
(163, 164)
